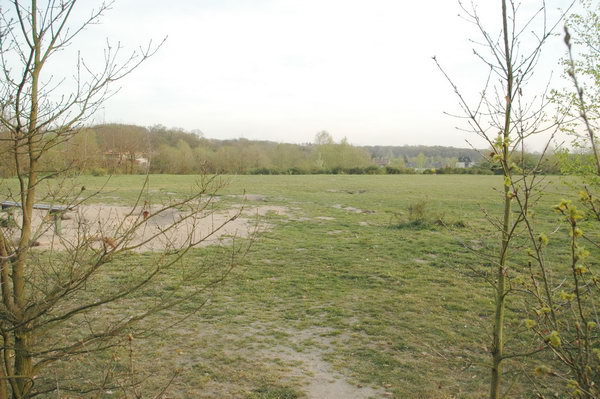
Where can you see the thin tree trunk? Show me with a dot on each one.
(23, 338)
(3, 375)
(498, 331)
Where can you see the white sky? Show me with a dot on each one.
(283, 70)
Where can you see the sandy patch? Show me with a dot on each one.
(321, 381)
(148, 229)
(352, 209)
(326, 383)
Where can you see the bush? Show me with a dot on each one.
(264, 171)
(374, 170)
(355, 171)
(418, 212)
(297, 171)
(98, 172)
(463, 171)
(421, 216)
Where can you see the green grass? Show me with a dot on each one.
(389, 304)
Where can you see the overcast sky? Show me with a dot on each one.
(283, 70)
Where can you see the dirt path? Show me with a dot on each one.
(321, 380)
(325, 383)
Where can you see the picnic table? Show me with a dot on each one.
(56, 211)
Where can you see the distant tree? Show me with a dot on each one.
(204, 159)
(323, 138)
(185, 158)
(420, 160)
(348, 156)
(164, 160)
(398, 163)
(286, 156)
(338, 156)
(450, 162)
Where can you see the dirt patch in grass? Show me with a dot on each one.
(254, 361)
(157, 230)
(352, 209)
(306, 363)
(304, 360)
(325, 383)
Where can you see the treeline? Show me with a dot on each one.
(433, 156)
(129, 149)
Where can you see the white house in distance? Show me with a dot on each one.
(464, 162)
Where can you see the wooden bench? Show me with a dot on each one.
(56, 211)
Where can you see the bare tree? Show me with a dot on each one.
(505, 118)
(49, 311)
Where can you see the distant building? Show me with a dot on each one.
(142, 161)
(137, 157)
(464, 162)
(131, 161)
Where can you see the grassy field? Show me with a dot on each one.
(344, 290)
